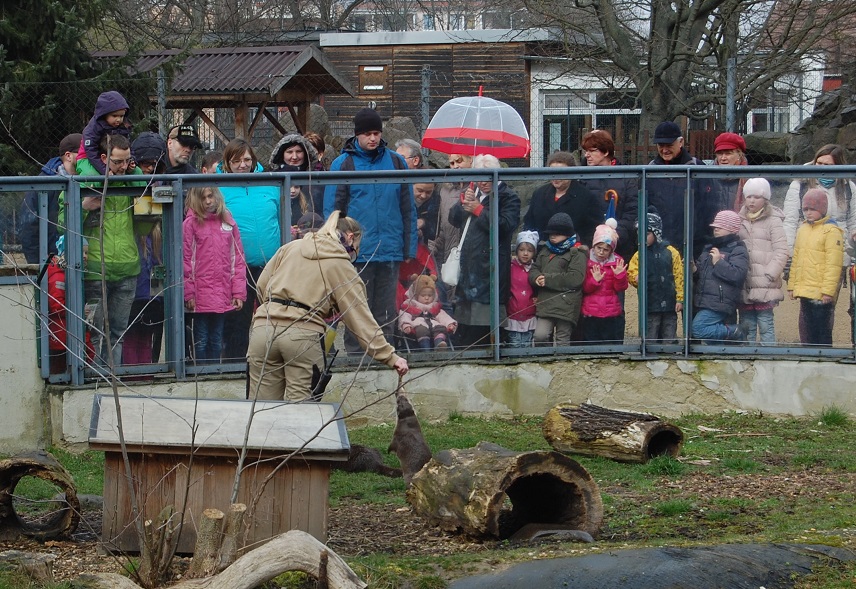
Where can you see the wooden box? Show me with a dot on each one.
(184, 452)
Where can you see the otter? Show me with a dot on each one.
(408, 443)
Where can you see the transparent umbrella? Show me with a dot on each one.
(473, 125)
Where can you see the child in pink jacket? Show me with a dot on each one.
(603, 310)
(423, 317)
(215, 271)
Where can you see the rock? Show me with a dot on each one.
(767, 147)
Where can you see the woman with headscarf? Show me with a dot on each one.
(295, 153)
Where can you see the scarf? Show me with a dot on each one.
(561, 248)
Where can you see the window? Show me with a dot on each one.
(373, 79)
(427, 22)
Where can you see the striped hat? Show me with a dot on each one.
(727, 221)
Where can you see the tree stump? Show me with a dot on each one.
(490, 491)
(624, 436)
(64, 514)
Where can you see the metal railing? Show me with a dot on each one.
(176, 363)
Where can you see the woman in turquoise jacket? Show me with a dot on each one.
(256, 211)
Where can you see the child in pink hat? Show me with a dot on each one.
(606, 277)
(720, 272)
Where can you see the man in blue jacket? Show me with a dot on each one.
(386, 212)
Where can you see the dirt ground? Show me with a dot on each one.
(358, 529)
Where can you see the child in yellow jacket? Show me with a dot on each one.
(816, 269)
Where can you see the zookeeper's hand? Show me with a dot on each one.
(401, 366)
(238, 304)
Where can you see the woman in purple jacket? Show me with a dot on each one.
(215, 272)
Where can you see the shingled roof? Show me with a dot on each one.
(245, 70)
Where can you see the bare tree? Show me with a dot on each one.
(674, 54)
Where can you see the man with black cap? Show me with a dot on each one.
(180, 143)
(386, 213)
(28, 228)
(668, 195)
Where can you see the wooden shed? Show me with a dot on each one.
(412, 74)
(188, 449)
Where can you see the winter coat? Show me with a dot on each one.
(474, 281)
(792, 208)
(429, 213)
(121, 256)
(314, 193)
(668, 196)
(626, 211)
(600, 299)
(215, 271)
(664, 277)
(578, 202)
(416, 314)
(818, 255)
(562, 294)
(448, 235)
(520, 305)
(386, 212)
(255, 209)
(317, 272)
(28, 218)
(764, 237)
(97, 128)
(719, 287)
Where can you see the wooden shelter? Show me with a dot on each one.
(184, 453)
(243, 78)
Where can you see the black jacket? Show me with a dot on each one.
(578, 202)
(718, 287)
(667, 195)
(660, 278)
(625, 213)
(474, 281)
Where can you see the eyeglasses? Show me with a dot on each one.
(243, 160)
(120, 162)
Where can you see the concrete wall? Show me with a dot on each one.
(22, 418)
(665, 387)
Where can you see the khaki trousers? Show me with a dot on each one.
(281, 361)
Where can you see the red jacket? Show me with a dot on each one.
(600, 299)
(520, 305)
(57, 311)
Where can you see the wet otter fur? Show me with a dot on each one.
(366, 459)
(408, 443)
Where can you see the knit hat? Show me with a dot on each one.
(727, 221)
(655, 225)
(310, 221)
(367, 120)
(423, 282)
(725, 141)
(530, 237)
(667, 132)
(560, 224)
(70, 143)
(757, 187)
(816, 200)
(606, 234)
(149, 147)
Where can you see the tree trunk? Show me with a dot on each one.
(158, 547)
(620, 435)
(61, 522)
(489, 491)
(292, 551)
(232, 529)
(208, 539)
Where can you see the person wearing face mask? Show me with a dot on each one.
(839, 193)
(305, 283)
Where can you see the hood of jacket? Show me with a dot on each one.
(54, 167)
(276, 156)
(322, 246)
(149, 146)
(110, 102)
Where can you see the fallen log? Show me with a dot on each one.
(490, 491)
(624, 436)
(293, 551)
(58, 517)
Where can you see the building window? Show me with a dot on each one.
(373, 79)
(427, 22)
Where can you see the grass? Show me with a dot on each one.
(708, 496)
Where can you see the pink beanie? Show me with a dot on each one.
(606, 234)
(817, 200)
(727, 220)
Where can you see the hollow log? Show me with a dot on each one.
(292, 551)
(490, 491)
(624, 436)
(61, 522)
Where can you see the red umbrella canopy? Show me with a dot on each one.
(473, 125)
